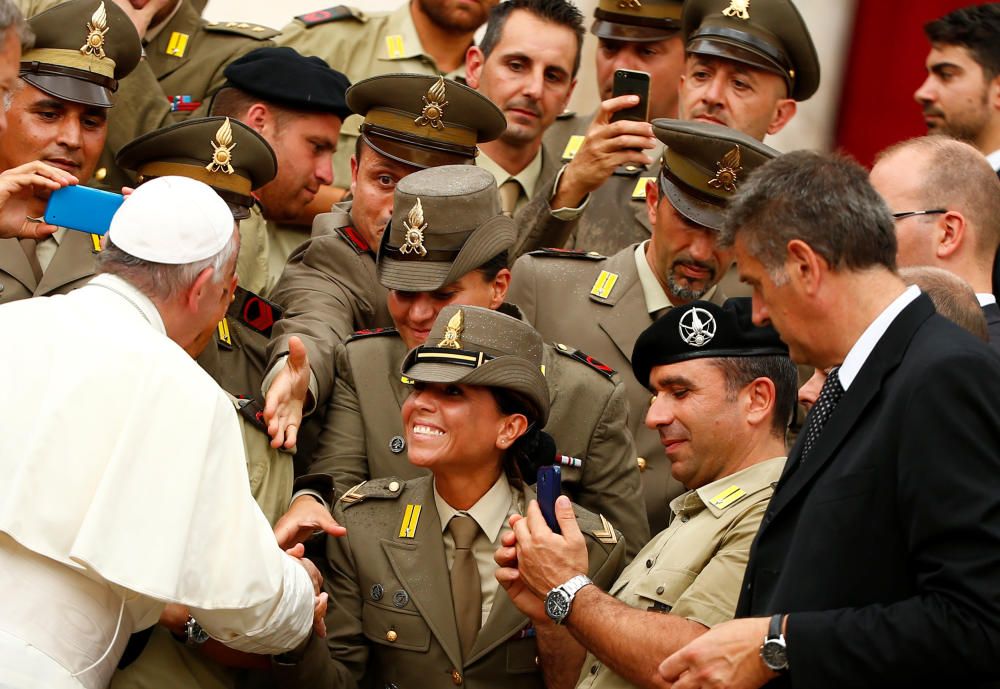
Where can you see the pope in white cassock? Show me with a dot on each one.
(123, 481)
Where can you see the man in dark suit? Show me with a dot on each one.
(945, 200)
(876, 562)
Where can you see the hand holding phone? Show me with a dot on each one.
(549, 487)
(632, 83)
(82, 208)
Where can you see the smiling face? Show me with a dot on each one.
(456, 429)
(528, 74)
(67, 135)
(662, 60)
(697, 419)
(955, 96)
(749, 100)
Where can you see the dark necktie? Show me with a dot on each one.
(466, 588)
(829, 397)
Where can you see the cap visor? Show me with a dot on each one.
(715, 47)
(626, 32)
(71, 89)
(417, 156)
(412, 276)
(693, 208)
(239, 212)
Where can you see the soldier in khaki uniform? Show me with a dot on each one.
(460, 257)
(366, 44)
(413, 597)
(601, 304)
(297, 104)
(724, 392)
(746, 73)
(82, 48)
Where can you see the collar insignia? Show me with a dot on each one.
(413, 240)
(434, 105)
(222, 157)
(727, 171)
(697, 327)
(453, 333)
(738, 8)
(97, 27)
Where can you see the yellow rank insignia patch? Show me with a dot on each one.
(95, 239)
(604, 284)
(394, 46)
(408, 529)
(606, 534)
(572, 146)
(728, 497)
(178, 44)
(639, 190)
(224, 335)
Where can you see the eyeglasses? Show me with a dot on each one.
(908, 214)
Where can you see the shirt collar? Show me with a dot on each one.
(490, 511)
(994, 159)
(862, 349)
(728, 490)
(133, 296)
(653, 292)
(985, 298)
(527, 178)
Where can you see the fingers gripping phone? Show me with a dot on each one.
(631, 83)
(549, 487)
(82, 208)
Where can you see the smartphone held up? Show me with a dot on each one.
(82, 208)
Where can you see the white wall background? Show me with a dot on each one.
(829, 23)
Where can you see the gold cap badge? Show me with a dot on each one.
(629, 4)
(434, 105)
(413, 240)
(97, 27)
(453, 332)
(728, 170)
(738, 8)
(222, 156)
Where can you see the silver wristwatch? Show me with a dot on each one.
(194, 635)
(773, 651)
(560, 599)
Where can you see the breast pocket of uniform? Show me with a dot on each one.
(402, 629)
(659, 591)
(522, 655)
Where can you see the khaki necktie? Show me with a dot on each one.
(510, 192)
(466, 588)
(28, 247)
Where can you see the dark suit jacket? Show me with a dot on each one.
(992, 313)
(884, 545)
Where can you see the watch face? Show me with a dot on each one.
(774, 655)
(557, 605)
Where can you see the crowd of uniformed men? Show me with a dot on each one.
(415, 212)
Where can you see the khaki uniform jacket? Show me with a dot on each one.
(329, 290)
(694, 568)
(72, 266)
(556, 292)
(361, 45)
(425, 651)
(264, 250)
(362, 433)
(185, 59)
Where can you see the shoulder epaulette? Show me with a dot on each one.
(371, 332)
(257, 31)
(253, 311)
(385, 488)
(354, 240)
(253, 412)
(590, 361)
(568, 253)
(331, 14)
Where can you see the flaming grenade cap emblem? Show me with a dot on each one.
(453, 332)
(222, 157)
(434, 105)
(738, 8)
(413, 240)
(728, 171)
(629, 4)
(697, 327)
(97, 27)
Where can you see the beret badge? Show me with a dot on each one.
(697, 327)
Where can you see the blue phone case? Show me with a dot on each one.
(82, 208)
(549, 487)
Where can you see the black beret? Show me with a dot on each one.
(286, 77)
(700, 330)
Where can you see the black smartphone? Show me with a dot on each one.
(549, 487)
(631, 83)
(82, 208)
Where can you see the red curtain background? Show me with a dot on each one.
(885, 67)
